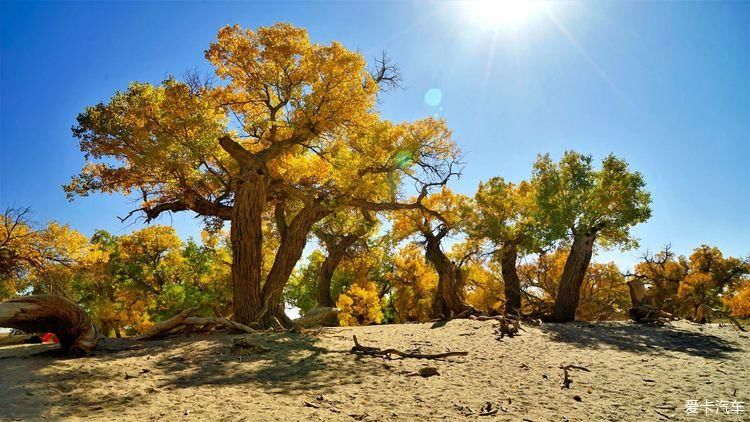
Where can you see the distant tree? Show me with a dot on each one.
(291, 135)
(415, 284)
(584, 206)
(441, 216)
(662, 273)
(502, 214)
(710, 276)
(604, 294)
(739, 302)
(338, 233)
(360, 305)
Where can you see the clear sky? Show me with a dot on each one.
(664, 85)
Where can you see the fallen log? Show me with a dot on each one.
(386, 353)
(52, 314)
(208, 321)
(165, 326)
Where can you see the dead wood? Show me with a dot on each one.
(508, 326)
(165, 326)
(52, 314)
(566, 377)
(216, 321)
(386, 353)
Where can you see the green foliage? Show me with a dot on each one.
(573, 197)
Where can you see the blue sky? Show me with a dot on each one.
(664, 85)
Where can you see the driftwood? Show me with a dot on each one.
(386, 353)
(52, 314)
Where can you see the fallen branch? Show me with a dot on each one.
(163, 327)
(386, 353)
(232, 325)
(508, 326)
(566, 377)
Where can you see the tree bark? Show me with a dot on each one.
(42, 313)
(290, 250)
(247, 245)
(570, 284)
(449, 300)
(336, 251)
(508, 260)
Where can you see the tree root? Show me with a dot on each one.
(358, 349)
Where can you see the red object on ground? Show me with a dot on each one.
(50, 338)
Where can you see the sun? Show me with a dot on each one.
(502, 14)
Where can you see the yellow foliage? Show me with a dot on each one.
(360, 305)
(603, 295)
(739, 304)
(485, 290)
(415, 285)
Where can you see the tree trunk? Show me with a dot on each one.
(449, 300)
(52, 314)
(572, 277)
(336, 251)
(247, 245)
(290, 250)
(508, 260)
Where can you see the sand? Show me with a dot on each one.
(636, 373)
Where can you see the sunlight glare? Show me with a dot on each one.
(502, 14)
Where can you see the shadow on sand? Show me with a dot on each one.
(642, 339)
(282, 363)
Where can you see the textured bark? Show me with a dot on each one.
(449, 300)
(247, 245)
(41, 313)
(290, 250)
(508, 260)
(570, 284)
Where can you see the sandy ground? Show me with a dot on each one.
(636, 373)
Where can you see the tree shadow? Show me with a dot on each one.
(646, 339)
(277, 363)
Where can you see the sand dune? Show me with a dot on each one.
(636, 373)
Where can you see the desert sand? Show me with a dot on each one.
(635, 373)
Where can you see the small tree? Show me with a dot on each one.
(581, 205)
(502, 213)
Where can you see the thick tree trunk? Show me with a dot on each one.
(336, 249)
(508, 260)
(449, 300)
(247, 245)
(52, 314)
(293, 242)
(572, 277)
